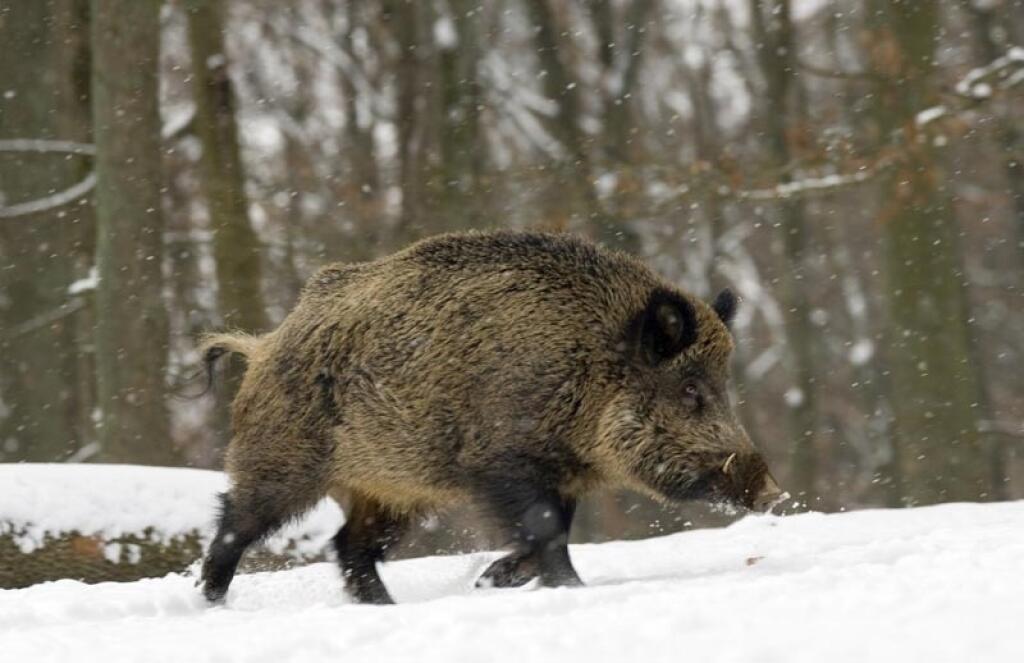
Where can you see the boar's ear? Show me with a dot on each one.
(725, 305)
(667, 326)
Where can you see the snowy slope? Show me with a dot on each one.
(162, 503)
(932, 584)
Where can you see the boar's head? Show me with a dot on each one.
(668, 425)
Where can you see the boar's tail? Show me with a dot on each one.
(215, 346)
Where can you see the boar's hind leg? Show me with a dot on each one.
(369, 531)
(246, 516)
(539, 524)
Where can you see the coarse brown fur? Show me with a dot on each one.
(515, 370)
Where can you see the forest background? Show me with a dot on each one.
(854, 169)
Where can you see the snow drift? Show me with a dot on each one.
(943, 583)
(38, 500)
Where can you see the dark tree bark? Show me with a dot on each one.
(774, 32)
(461, 155)
(363, 177)
(621, 56)
(44, 330)
(936, 390)
(236, 248)
(991, 41)
(131, 320)
(235, 245)
(987, 43)
(561, 86)
(403, 19)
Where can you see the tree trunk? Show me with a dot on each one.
(461, 156)
(403, 20)
(131, 320)
(621, 57)
(936, 391)
(561, 87)
(986, 27)
(773, 28)
(236, 248)
(363, 183)
(235, 245)
(42, 351)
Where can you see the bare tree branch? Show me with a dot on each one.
(69, 195)
(972, 88)
(1008, 428)
(43, 146)
(976, 85)
(833, 73)
(44, 319)
(812, 185)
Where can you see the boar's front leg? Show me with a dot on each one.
(368, 532)
(538, 521)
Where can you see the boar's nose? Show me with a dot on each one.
(769, 495)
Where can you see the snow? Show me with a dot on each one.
(971, 84)
(861, 352)
(808, 184)
(934, 584)
(445, 35)
(86, 284)
(109, 501)
(929, 115)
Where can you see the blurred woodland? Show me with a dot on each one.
(854, 169)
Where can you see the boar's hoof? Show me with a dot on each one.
(214, 595)
(515, 570)
(509, 571)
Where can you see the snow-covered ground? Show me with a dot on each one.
(934, 584)
(161, 503)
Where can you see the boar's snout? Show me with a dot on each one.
(769, 495)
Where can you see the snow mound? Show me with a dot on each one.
(109, 501)
(936, 584)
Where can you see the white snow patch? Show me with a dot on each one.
(971, 84)
(794, 396)
(445, 35)
(85, 284)
(929, 115)
(605, 184)
(112, 552)
(861, 352)
(940, 584)
(110, 501)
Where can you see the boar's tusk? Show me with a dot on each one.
(728, 462)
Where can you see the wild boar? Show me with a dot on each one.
(513, 370)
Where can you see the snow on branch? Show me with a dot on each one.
(58, 199)
(976, 84)
(1008, 428)
(930, 115)
(179, 125)
(43, 146)
(809, 185)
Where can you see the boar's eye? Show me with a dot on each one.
(692, 395)
(667, 326)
